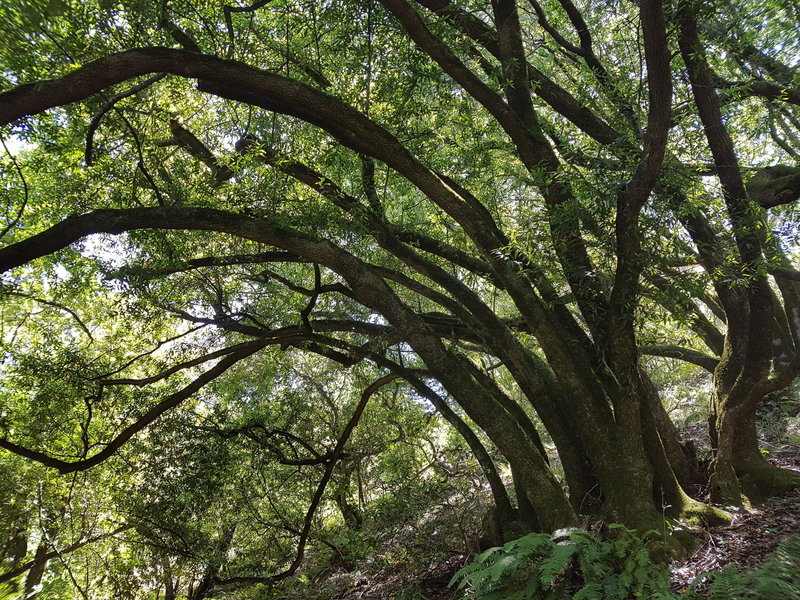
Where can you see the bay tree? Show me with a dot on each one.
(485, 205)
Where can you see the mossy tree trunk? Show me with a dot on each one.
(746, 367)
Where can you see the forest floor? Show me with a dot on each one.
(745, 543)
(748, 540)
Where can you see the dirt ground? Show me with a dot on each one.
(747, 541)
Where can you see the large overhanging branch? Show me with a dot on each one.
(373, 219)
(76, 227)
(260, 87)
(237, 81)
(391, 239)
(763, 89)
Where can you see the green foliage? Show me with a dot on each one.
(568, 564)
(779, 420)
(95, 335)
(581, 567)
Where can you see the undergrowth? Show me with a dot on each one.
(777, 579)
(573, 564)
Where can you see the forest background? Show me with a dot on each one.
(287, 282)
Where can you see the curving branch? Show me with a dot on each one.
(784, 273)
(141, 423)
(158, 345)
(53, 304)
(779, 380)
(234, 80)
(25, 191)
(186, 139)
(763, 89)
(98, 116)
(237, 81)
(416, 378)
(144, 381)
(336, 454)
(220, 76)
(251, 432)
(709, 363)
(74, 228)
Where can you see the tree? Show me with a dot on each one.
(461, 195)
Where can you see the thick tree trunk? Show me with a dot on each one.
(626, 478)
(668, 493)
(723, 482)
(36, 572)
(633, 467)
(530, 468)
(740, 472)
(758, 478)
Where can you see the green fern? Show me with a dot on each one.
(569, 564)
(591, 591)
(557, 562)
(574, 565)
(777, 579)
(728, 585)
